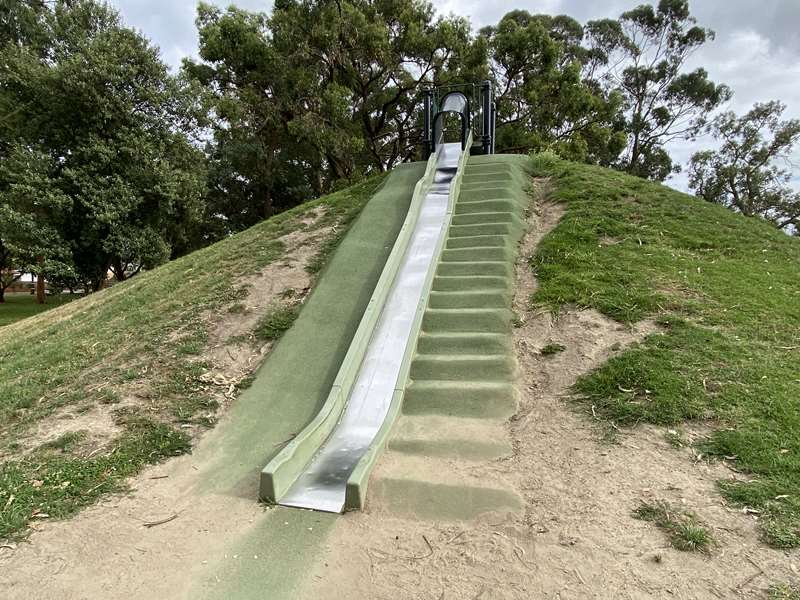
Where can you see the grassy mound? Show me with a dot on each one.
(147, 336)
(726, 290)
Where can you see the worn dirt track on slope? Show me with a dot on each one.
(576, 537)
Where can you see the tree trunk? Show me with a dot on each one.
(118, 269)
(41, 297)
(4, 257)
(634, 156)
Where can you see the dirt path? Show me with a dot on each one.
(575, 537)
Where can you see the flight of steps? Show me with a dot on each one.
(461, 388)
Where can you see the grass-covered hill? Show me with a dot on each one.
(726, 290)
(125, 372)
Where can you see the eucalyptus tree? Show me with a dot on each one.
(537, 63)
(748, 172)
(643, 56)
(317, 93)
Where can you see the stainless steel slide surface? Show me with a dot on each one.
(322, 485)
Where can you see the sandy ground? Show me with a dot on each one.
(575, 537)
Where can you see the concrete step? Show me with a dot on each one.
(469, 299)
(483, 191)
(460, 367)
(495, 205)
(435, 489)
(477, 254)
(471, 283)
(477, 241)
(473, 440)
(456, 231)
(496, 174)
(452, 320)
(463, 343)
(500, 268)
(468, 399)
(489, 178)
(486, 217)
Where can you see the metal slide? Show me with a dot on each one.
(322, 485)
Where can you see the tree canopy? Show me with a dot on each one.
(748, 171)
(110, 161)
(97, 172)
(642, 56)
(544, 100)
(316, 94)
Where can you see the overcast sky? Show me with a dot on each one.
(756, 51)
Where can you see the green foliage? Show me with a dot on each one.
(295, 109)
(551, 349)
(543, 100)
(97, 169)
(784, 592)
(682, 528)
(744, 173)
(723, 289)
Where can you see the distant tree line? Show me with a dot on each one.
(108, 161)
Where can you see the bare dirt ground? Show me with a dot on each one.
(108, 552)
(576, 537)
(232, 349)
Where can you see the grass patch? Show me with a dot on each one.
(50, 485)
(684, 531)
(146, 334)
(64, 442)
(724, 289)
(676, 438)
(276, 322)
(20, 306)
(784, 592)
(551, 349)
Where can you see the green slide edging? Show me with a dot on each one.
(284, 468)
(357, 483)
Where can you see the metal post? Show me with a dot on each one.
(427, 137)
(487, 137)
(494, 124)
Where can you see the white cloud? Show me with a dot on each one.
(170, 23)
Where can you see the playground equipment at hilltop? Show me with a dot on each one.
(327, 465)
(460, 99)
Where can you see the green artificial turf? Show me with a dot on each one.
(726, 291)
(288, 390)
